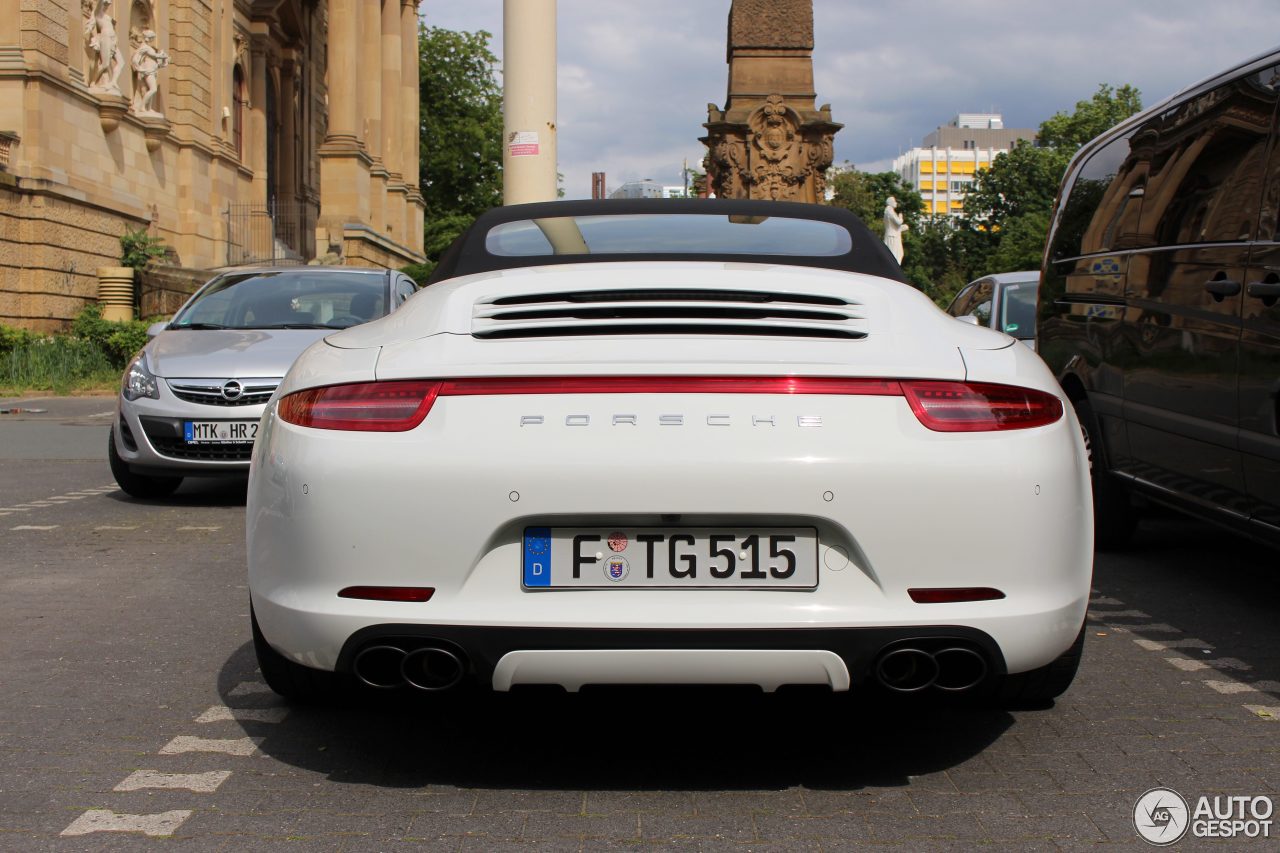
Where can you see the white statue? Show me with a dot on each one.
(894, 225)
(100, 28)
(146, 62)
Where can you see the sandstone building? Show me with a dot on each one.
(235, 130)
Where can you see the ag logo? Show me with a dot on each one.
(1161, 816)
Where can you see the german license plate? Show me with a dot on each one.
(220, 432)
(670, 558)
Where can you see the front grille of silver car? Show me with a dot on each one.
(663, 311)
(210, 392)
(176, 448)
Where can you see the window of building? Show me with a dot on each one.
(239, 98)
(959, 186)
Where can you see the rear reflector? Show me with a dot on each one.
(945, 595)
(400, 405)
(389, 593)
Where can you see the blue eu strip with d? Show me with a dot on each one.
(537, 556)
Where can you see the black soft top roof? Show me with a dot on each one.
(469, 253)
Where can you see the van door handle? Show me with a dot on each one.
(1221, 287)
(1263, 289)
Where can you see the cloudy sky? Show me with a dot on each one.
(635, 76)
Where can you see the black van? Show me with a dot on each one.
(1159, 305)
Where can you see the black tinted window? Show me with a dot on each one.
(1099, 200)
(1207, 163)
(641, 234)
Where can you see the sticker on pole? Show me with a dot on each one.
(522, 143)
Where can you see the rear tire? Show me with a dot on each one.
(293, 681)
(1038, 688)
(1114, 516)
(137, 485)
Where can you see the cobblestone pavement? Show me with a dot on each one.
(132, 713)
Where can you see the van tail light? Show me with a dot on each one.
(401, 405)
(362, 407)
(979, 406)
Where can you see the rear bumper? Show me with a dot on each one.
(505, 656)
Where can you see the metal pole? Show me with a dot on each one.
(529, 101)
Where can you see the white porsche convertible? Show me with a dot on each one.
(663, 442)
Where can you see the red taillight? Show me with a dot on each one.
(979, 406)
(416, 594)
(364, 406)
(946, 595)
(400, 405)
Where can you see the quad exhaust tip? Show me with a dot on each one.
(908, 669)
(430, 668)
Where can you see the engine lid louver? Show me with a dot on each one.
(659, 311)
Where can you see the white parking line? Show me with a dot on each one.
(1118, 614)
(229, 746)
(35, 527)
(1189, 665)
(249, 688)
(200, 783)
(1242, 687)
(258, 715)
(105, 820)
(198, 528)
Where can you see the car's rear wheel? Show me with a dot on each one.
(293, 681)
(1114, 516)
(1039, 687)
(137, 485)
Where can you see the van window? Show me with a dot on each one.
(1207, 165)
(1099, 198)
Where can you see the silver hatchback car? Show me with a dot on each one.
(190, 401)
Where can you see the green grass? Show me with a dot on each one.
(59, 364)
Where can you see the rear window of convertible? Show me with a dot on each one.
(645, 234)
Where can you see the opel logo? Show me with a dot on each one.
(232, 390)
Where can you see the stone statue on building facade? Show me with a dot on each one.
(147, 62)
(104, 47)
(894, 225)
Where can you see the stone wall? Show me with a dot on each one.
(50, 251)
(163, 289)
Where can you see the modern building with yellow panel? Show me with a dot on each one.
(944, 166)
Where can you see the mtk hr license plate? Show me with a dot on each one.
(672, 558)
(219, 432)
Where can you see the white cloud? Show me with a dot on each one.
(635, 78)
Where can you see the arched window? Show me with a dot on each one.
(239, 99)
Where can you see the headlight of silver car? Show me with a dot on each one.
(138, 381)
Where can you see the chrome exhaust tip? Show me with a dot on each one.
(380, 666)
(907, 670)
(432, 668)
(959, 669)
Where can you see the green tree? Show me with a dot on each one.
(865, 194)
(1010, 205)
(1108, 107)
(461, 132)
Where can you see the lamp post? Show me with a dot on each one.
(528, 101)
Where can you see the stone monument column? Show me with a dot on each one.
(769, 141)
